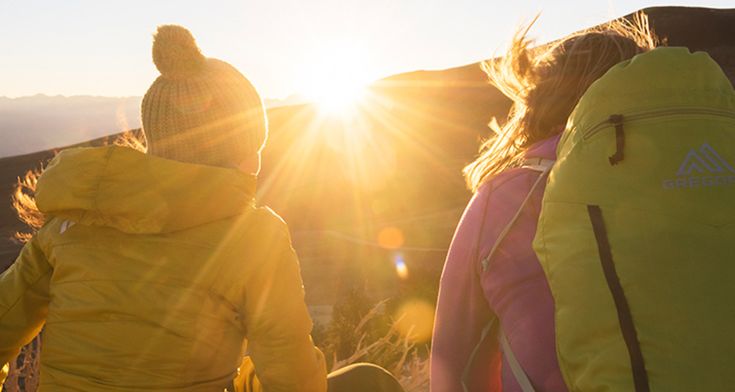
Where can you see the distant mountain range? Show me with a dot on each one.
(41, 122)
(412, 137)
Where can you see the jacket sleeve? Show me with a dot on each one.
(464, 348)
(278, 324)
(24, 298)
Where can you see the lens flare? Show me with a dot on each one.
(415, 320)
(390, 238)
(401, 267)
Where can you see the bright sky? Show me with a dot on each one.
(97, 47)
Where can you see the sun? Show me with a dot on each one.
(336, 77)
(335, 97)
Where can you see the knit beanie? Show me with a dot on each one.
(200, 110)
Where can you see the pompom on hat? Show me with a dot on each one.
(200, 110)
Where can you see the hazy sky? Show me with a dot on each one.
(101, 47)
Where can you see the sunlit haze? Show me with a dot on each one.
(356, 209)
(286, 47)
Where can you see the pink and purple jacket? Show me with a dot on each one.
(509, 291)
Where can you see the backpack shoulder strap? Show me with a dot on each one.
(538, 164)
(541, 165)
(515, 367)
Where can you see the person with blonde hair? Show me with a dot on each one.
(158, 270)
(495, 312)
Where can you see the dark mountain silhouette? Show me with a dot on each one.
(397, 163)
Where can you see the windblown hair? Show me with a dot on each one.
(24, 202)
(546, 83)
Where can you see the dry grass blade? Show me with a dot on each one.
(132, 139)
(395, 351)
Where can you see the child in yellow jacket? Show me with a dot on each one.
(158, 270)
(152, 270)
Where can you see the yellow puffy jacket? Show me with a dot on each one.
(150, 274)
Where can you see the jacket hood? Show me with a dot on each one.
(134, 192)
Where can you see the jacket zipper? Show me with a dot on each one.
(657, 113)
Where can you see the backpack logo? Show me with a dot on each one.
(702, 167)
(702, 161)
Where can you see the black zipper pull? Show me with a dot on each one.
(617, 121)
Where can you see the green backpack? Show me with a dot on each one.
(637, 230)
